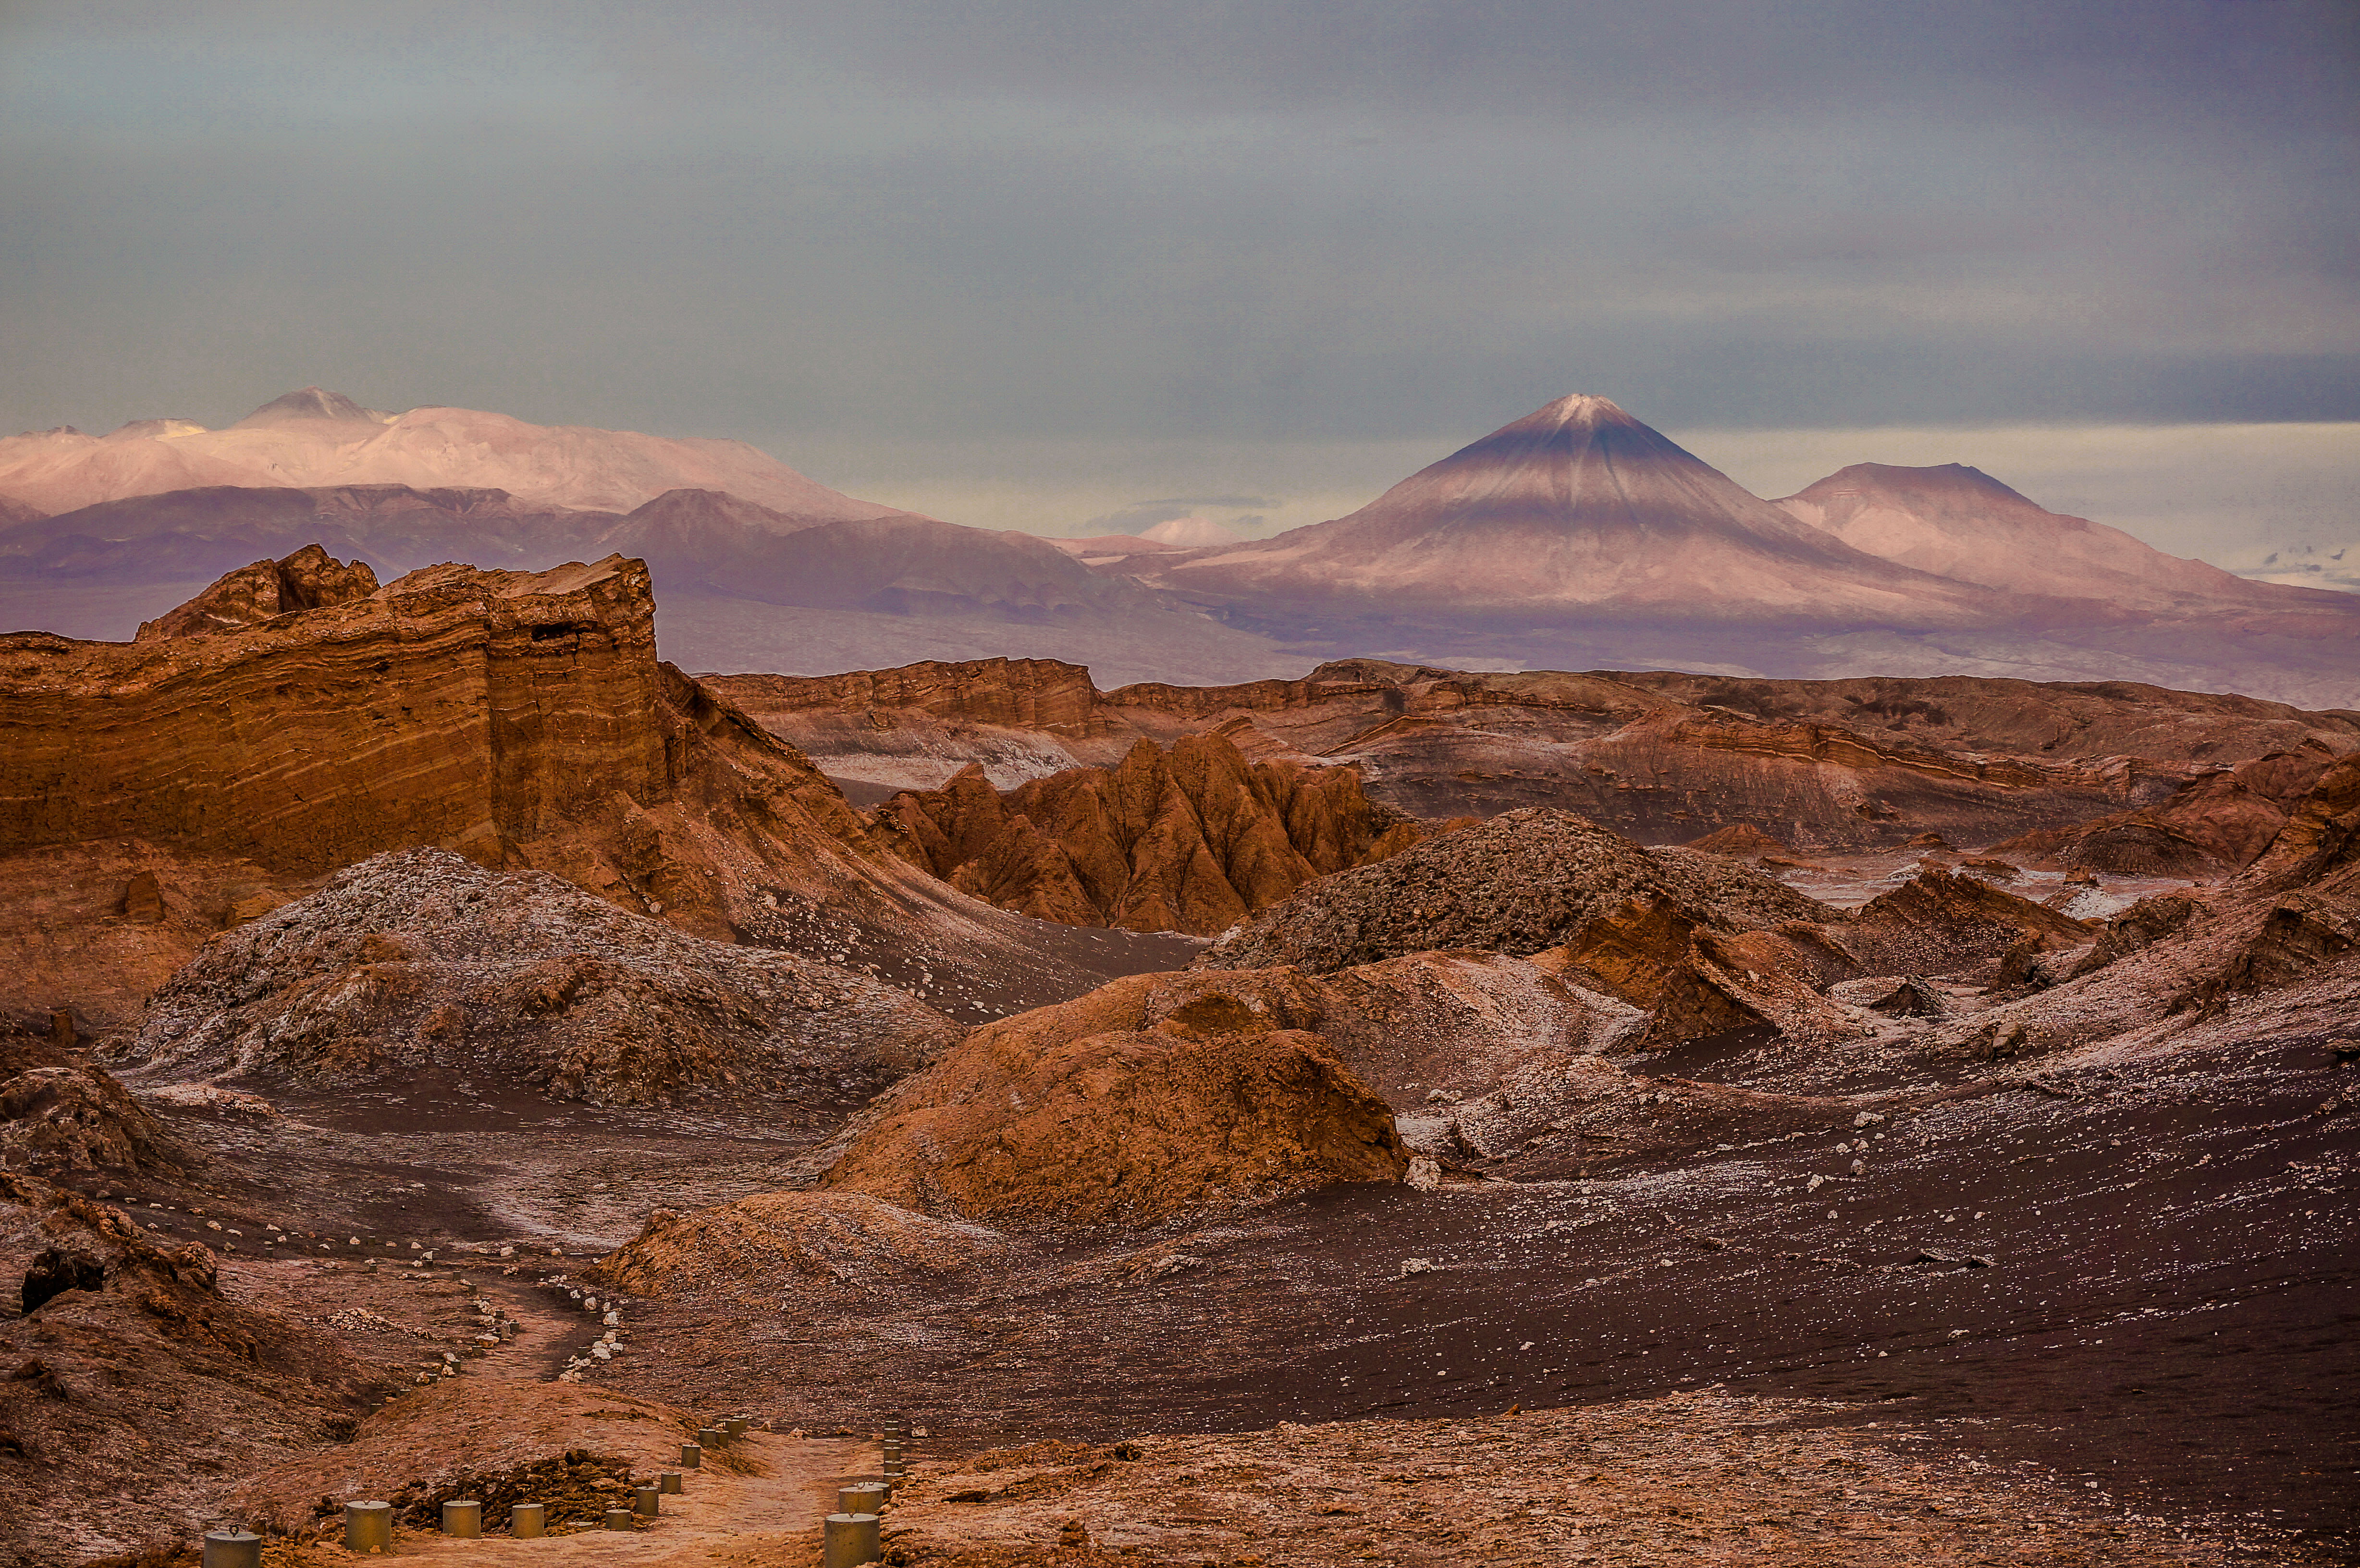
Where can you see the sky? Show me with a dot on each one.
(1078, 267)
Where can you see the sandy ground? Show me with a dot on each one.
(770, 1515)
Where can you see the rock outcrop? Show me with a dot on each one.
(522, 720)
(62, 1118)
(133, 1362)
(1664, 758)
(1193, 840)
(1092, 1112)
(311, 579)
(774, 1244)
(2215, 824)
(1523, 882)
(419, 967)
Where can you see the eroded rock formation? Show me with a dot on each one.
(311, 579)
(1663, 757)
(152, 793)
(1192, 841)
(133, 1351)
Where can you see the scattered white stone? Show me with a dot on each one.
(1419, 1266)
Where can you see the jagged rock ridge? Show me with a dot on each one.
(1192, 841)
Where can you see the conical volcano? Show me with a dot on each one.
(1575, 507)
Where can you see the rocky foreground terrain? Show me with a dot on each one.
(448, 1051)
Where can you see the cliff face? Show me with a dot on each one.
(454, 707)
(1664, 758)
(1193, 840)
(152, 793)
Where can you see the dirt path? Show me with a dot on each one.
(769, 1517)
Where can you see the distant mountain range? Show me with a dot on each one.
(1575, 537)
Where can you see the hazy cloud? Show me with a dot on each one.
(929, 231)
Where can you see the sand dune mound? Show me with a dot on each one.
(419, 960)
(771, 1243)
(1090, 1114)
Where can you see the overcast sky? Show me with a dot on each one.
(1061, 265)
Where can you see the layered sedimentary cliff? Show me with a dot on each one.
(154, 792)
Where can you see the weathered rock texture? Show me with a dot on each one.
(115, 1377)
(311, 579)
(62, 1118)
(785, 1244)
(2214, 824)
(1524, 881)
(1664, 758)
(1095, 1113)
(1191, 841)
(522, 720)
(420, 961)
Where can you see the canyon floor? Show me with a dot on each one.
(2101, 1311)
(1396, 1115)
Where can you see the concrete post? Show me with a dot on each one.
(463, 1517)
(620, 1519)
(735, 1426)
(712, 1436)
(647, 1500)
(861, 1497)
(527, 1521)
(368, 1526)
(849, 1540)
(668, 1481)
(692, 1456)
(233, 1549)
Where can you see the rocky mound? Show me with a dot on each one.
(1524, 881)
(419, 960)
(1193, 840)
(311, 579)
(1091, 1114)
(1940, 922)
(61, 1117)
(129, 1358)
(842, 1243)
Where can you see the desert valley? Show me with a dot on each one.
(1574, 1014)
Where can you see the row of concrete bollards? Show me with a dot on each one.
(850, 1535)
